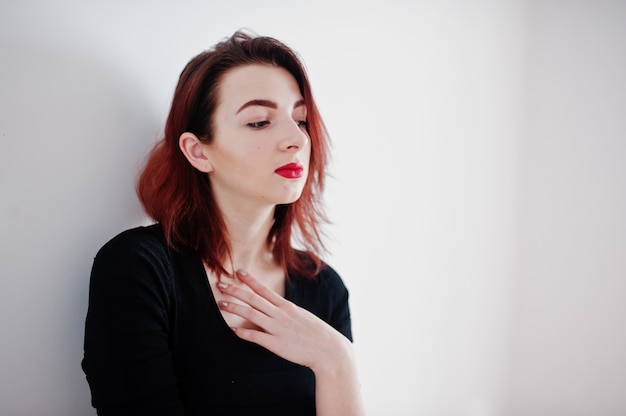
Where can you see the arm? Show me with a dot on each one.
(127, 359)
(300, 337)
(337, 390)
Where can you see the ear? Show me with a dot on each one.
(195, 151)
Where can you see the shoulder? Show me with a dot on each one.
(145, 243)
(322, 274)
(326, 288)
(330, 279)
(132, 258)
(144, 238)
(326, 279)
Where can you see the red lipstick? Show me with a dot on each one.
(291, 171)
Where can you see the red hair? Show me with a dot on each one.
(179, 197)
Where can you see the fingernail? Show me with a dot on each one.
(222, 303)
(222, 285)
(242, 273)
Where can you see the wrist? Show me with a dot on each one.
(340, 359)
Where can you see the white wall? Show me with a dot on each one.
(569, 340)
(456, 128)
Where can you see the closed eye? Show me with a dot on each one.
(258, 124)
(303, 123)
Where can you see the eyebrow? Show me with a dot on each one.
(267, 103)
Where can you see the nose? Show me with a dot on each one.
(295, 137)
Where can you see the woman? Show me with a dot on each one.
(211, 310)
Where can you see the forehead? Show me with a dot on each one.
(257, 81)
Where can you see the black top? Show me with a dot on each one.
(157, 344)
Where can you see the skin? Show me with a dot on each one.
(260, 126)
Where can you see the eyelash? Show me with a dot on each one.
(257, 125)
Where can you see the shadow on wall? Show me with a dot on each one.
(73, 132)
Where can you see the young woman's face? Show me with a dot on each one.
(260, 150)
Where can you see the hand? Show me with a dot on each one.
(297, 335)
(286, 329)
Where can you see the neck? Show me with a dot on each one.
(248, 232)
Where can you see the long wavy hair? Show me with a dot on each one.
(179, 197)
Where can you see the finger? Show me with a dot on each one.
(260, 289)
(247, 296)
(258, 337)
(250, 314)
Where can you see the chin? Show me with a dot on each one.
(290, 199)
(289, 195)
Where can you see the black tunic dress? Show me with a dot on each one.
(157, 344)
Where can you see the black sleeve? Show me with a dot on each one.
(127, 358)
(339, 305)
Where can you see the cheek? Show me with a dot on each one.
(251, 159)
(240, 152)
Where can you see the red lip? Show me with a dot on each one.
(291, 171)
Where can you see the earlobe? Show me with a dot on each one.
(195, 152)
